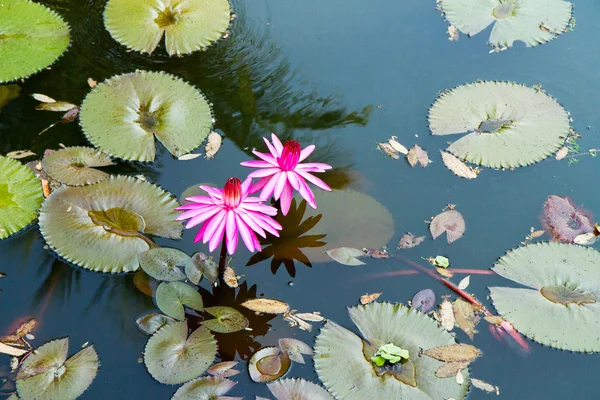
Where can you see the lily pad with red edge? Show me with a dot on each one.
(268, 364)
(560, 305)
(299, 389)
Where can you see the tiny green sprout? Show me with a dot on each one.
(441, 261)
(389, 352)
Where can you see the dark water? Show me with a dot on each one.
(317, 71)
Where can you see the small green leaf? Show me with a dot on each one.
(201, 265)
(163, 263)
(378, 360)
(171, 297)
(441, 261)
(227, 320)
(389, 352)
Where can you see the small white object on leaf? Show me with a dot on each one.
(213, 145)
(464, 283)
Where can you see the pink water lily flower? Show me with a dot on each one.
(281, 172)
(230, 211)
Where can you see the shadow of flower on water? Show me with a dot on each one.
(287, 247)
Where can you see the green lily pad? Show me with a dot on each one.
(343, 360)
(122, 115)
(173, 358)
(299, 389)
(163, 263)
(268, 364)
(34, 36)
(103, 227)
(188, 26)
(560, 307)
(20, 196)
(46, 374)
(201, 265)
(531, 21)
(171, 297)
(151, 323)
(228, 320)
(534, 124)
(205, 388)
(74, 166)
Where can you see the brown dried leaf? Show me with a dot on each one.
(20, 154)
(464, 283)
(313, 317)
(26, 327)
(11, 351)
(267, 306)
(369, 298)
(453, 33)
(444, 272)
(92, 83)
(189, 156)
(494, 319)
(295, 348)
(465, 317)
(447, 320)
(450, 369)
(43, 98)
(586, 239)
(213, 145)
(397, 146)
(536, 234)
(453, 353)
(224, 369)
(388, 150)
(481, 385)
(417, 155)
(409, 241)
(295, 321)
(70, 115)
(57, 106)
(457, 166)
(230, 277)
(451, 222)
(562, 153)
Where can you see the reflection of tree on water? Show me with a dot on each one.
(288, 246)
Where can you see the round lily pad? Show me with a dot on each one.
(103, 227)
(74, 166)
(530, 21)
(343, 360)
(188, 26)
(228, 320)
(34, 36)
(299, 389)
(268, 364)
(172, 297)
(560, 307)
(122, 115)
(173, 358)
(205, 388)
(20, 196)
(46, 374)
(163, 263)
(509, 125)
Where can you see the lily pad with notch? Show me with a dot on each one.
(164, 263)
(76, 166)
(560, 305)
(172, 297)
(228, 320)
(103, 227)
(268, 364)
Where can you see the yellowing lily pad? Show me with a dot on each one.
(75, 166)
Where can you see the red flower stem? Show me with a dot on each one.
(223, 257)
(453, 270)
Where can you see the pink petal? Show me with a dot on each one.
(314, 180)
(261, 208)
(232, 244)
(313, 167)
(201, 217)
(214, 225)
(307, 194)
(190, 207)
(286, 198)
(272, 149)
(256, 164)
(294, 180)
(280, 184)
(199, 199)
(262, 173)
(245, 233)
(256, 243)
(266, 157)
(277, 144)
(268, 223)
(257, 187)
(248, 219)
(306, 152)
(216, 238)
(231, 231)
(246, 185)
(269, 187)
(201, 232)
(213, 192)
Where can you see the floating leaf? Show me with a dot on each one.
(144, 283)
(424, 300)
(97, 226)
(268, 364)
(451, 222)
(369, 298)
(298, 389)
(295, 348)
(33, 35)
(313, 317)
(266, 306)
(586, 239)
(151, 323)
(446, 315)
(441, 261)
(171, 297)
(444, 272)
(187, 26)
(535, 125)
(562, 153)
(457, 166)
(20, 196)
(163, 263)
(213, 144)
(341, 356)
(451, 370)
(205, 388)
(11, 351)
(409, 241)
(532, 21)
(465, 317)
(173, 358)
(417, 155)
(201, 265)
(56, 106)
(224, 369)
(453, 352)
(47, 374)
(230, 277)
(122, 115)
(75, 166)
(389, 353)
(464, 283)
(481, 385)
(189, 156)
(565, 221)
(227, 320)
(18, 154)
(559, 308)
(42, 98)
(393, 148)
(346, 256)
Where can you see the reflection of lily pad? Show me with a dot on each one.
(20, 196)
(163, 263)
(172, 357)
(534, 124)
(47, 374)
(31, 38)
(122, 115)
(227, 320)
(101, 227)
(350, 219)
(7, 93)
(531, 21)
(187, 25)
(74, 166)
(205, 388)
(171, 297)
(298, 389)
(560, 307)
(343, 360)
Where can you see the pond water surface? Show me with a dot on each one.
(343, 75)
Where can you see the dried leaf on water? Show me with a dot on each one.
(295, 348)
(457, 166)
(453, 33)
(393, 148)
(450, 369)
(92, 83)
(11, 351)
(494, 319)
(230, 277)
(268, 364)
(267, 306)
(151, 323)
(453, 353)
(409, 241)
(417, 155)
(224, 369)
(18, 154)
(189, 156)
(213, 145)
(464, 283)
(446, 315)
(313, 316)
(43, 98)
(562, 153)
(56, 106)
(465, 317)
(586, 239)
(26, 327)
(346, 256)
(389, 150)
(451, 222)
(444, 272)
(481, 385)
(368, 298)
